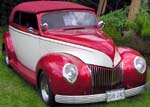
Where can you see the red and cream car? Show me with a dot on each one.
(59, 48)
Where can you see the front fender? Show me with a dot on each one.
(53, 64)
(131, 78)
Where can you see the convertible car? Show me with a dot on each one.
(59, 47)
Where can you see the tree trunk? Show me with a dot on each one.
(134, 9)
(101, 7)
(148, 6)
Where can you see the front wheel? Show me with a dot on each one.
(45, 90)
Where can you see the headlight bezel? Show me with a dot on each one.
(137, 61)
(66, 75)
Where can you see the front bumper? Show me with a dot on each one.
(98, 97)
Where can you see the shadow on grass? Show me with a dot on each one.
(81, 105)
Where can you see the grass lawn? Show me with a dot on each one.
(16, 92)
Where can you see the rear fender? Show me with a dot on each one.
(7, 44)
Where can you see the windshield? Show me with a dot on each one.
(68, 19)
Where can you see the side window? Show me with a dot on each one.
(26, 19)
(17, 18)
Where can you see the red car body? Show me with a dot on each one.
(101, 65)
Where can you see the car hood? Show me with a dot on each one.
(91, 38)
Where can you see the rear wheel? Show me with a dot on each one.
(45, 90)
(6, 57)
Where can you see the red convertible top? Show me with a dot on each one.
(43, 6)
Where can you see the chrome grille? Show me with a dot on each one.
(105, 79)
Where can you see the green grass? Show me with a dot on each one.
(16, 92)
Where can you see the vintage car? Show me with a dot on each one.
(59, 47)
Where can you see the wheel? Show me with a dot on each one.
(45, 90)
(6, 56)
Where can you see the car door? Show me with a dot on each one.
(24, 34)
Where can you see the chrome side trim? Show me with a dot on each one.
(98, 97)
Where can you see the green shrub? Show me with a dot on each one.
(112, 32)
(115, 23)
(116, 19)
(142, 23)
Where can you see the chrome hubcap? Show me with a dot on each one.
(44, 90)
(6, 58)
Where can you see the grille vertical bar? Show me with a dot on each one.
(105, 79)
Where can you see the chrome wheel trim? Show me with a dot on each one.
(44, 90)
(6, 57)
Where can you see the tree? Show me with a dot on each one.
(101, 7)
(134, 9)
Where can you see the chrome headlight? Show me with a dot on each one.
(70, 72)
(140, 64)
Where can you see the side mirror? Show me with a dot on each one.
(101, 24)
(44, 27)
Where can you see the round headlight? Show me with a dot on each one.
(140, 64)
(70, 73)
